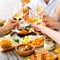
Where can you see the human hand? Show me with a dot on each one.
(50, 22)
(39, 27)
(11, 24)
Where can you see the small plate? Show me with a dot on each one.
(7, 49)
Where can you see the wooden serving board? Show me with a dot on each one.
(7, 49)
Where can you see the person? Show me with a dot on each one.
(57, 13)
(48, 31)
(8, 26)
(53, 22)
(49, 6)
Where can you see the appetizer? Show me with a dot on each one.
(41, 55)
(23, 32)
(33, 40)
(16, 39)
(38, 42)
(5, 43)
(57, 50)
(25, 49)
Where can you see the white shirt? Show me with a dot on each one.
(49, 8)
(7, 8)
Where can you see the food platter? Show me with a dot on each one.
(42, 54)
(6, 45)
(38, 48)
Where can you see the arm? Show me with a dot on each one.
(8, 26)
(51, 33)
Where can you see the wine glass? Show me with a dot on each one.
(17, 15)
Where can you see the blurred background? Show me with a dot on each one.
(7, 8)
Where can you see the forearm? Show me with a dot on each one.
(51, 33)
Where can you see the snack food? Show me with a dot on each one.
(5, 43)
(38, 42)
(25, 49)
(57, 50)
(23, 32)
(41, 55)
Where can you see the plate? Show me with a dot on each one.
(37, 41)
(7, 49)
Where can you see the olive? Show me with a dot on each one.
(16, 39)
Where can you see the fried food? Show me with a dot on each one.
(37, 42)
(45, 55)
(58, 56)
(57, 50)
(5, 43)
(23, 32)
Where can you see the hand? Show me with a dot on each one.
(50, 22)
(10, 24)
(39, 27)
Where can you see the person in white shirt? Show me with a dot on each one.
(49, 6)
(50, 22)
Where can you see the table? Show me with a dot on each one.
(12, 55)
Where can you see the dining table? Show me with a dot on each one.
(12, 55)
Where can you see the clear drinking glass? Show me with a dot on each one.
(17, 15)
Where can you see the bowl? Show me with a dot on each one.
(23, 33)
(25, 49)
